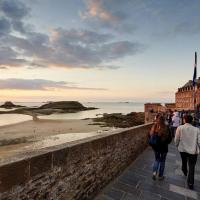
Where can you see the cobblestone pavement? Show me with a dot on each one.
(136, 181)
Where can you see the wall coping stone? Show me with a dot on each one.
(35, 153)
(40, 169)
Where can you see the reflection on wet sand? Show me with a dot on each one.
(32, 135)
(10, 151)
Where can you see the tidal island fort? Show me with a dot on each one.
(80, 170)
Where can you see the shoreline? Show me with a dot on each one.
(47, 127)
(33, 135)
(20, 137)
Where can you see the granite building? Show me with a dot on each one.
(185, 96)
(152, 109)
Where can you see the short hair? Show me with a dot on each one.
(188, 119)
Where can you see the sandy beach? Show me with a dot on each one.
(18, 137)
(42, 128)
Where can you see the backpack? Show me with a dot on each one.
(154, 140)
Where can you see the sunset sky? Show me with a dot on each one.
(97, 50)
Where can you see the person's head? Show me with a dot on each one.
(188, 119)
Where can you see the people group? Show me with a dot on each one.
(186, 137)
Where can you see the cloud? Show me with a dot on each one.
(97, 9)
(19, 26)
(79, 36)
(66, 48)
(81, 52)
(174, 18)
(15, 12)
(8, 57)
(104, 11)
(83, 49)
(14, 9)
(3, 68)
(119, 49)
(111, 14)
(40, 84)
(4, 27)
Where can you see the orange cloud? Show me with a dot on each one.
(96, 9)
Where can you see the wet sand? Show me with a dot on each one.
(30, 135)
(43, 127)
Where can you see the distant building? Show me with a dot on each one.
(152, 107)
(151, 110)
(170, 106)
(185, 96)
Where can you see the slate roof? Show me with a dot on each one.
(189, 83)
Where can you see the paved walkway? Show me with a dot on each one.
(136, 182)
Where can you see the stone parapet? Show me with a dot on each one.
(72, 171)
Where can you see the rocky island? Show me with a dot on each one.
(120, 120)
(10, 105)
(47, 109)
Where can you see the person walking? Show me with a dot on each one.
(176, 121)
(187, 139)
(162, 133)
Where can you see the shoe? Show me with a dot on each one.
(160, 178)
(190, 186)
(154, 176)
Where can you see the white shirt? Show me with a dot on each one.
(176, 120)
(187, 139)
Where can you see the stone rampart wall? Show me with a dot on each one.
(74, 171)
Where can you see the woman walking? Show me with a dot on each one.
(161, 135)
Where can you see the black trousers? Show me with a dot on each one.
(189, 160)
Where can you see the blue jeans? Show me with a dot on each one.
(159, 163)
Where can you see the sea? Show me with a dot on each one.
(103, 107)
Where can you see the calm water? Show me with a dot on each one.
(104, 107)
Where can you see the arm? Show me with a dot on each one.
(177, 136)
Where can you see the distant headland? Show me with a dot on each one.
(46, 109)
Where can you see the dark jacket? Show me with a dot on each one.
(162, 145)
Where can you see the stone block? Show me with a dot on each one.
(40, 164)
(60, 157)
(114, 194)
(13, 174)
